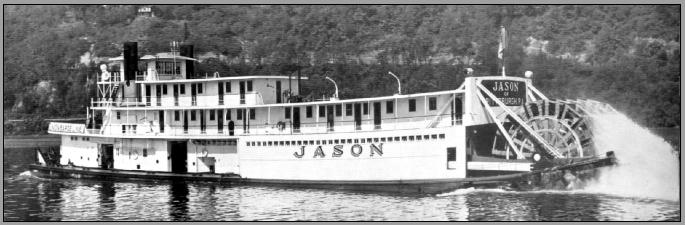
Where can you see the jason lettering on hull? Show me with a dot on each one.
(355, 150)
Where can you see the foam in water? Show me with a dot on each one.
(647, 166)
(25, 174)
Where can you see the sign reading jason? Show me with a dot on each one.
(67, 128)
(511, 93)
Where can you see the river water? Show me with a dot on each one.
(28, 198)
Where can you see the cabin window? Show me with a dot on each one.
(270, 143)
(239, 114)
(249, 85)
(145, 152)
(192, 115)
(118, 115)
(338, 110)
(164, 91)
(412, 105)
(397, 138)
(418, 137)
(375, 140)
(365, 108)
(389, 107)
(389, 139)
(322, 111)
(199, 88)
(404, 138)
(281, 143)
(363, 140)
(382, 139)
(434, 136)
(348, 110)
(228, 87)
(211, 114)
(177, 115)
(451, 155)
(183, 89)
(299, 142)
(432, 103)
(287, 113)
(309, 111)
(123, 129)
(252, 114)
(228, 114)
(411, 138)
(426, 137)
(442, 136)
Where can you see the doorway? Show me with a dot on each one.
(330, 118)
(296, 119)
(242, 92)
(278, 92)
(179, 156)
(377, 115)
(106, 156)
(357, 116)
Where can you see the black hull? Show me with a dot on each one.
(557, 177)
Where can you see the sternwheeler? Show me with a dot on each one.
(152, 119)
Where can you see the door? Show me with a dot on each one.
(296, 119)
(158, 94)
(242, 92)
(221, 94)
(161, 121)
(176, 94)
(106, 156)
(193, 94)
(179, 156)
(220, 120)
(330, 118)
(278, 92)
(358, 116)
(202, 121)
(148, 97)
(377, 115)
(185, 122)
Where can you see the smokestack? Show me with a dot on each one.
(187, 51)
(130, 60)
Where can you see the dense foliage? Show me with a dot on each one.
(628, 56)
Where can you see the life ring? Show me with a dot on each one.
(205, 153)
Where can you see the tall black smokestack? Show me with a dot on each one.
(130, 60)
(187, 51)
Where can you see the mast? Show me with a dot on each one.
(502, 47)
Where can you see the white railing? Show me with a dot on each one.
(273, 129)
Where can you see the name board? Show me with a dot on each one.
(67, 128)
(511, 93)
(339, 150)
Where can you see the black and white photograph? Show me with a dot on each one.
(341, 112)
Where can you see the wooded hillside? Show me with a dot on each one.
(628, 56)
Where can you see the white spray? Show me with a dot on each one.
(648, 166)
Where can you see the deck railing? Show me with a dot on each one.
(147, 129)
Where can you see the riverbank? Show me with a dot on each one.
(30, 141)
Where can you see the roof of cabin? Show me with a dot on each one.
(250, 77)
(162, 55)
